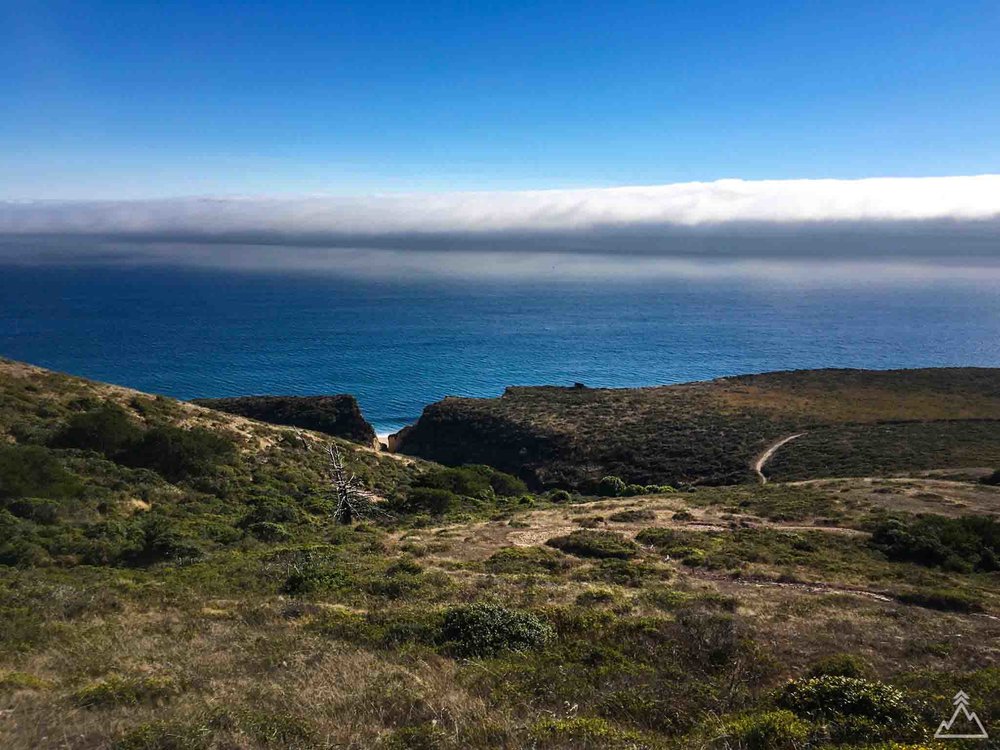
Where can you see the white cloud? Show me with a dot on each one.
(690, 204)
(831, 220)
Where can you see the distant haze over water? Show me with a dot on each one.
(398, 346)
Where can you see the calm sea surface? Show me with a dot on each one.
(400, 346)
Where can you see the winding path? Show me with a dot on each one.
(767, 455)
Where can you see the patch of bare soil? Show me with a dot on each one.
(768, 454)
(477, 541)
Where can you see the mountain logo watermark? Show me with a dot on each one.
(963, 724)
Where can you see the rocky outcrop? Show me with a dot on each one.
(338, 415)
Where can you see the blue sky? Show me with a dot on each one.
(146, 99)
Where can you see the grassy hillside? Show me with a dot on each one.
(709, 433)
(96, 473)
(339, 415)
(889, 447)
(160, 592)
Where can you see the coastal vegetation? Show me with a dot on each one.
(852, 423)
(173, 578)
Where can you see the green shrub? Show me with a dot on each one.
(632, 515)
(114, 541)
(619, 572)
(177, 454)
(155, 408)
(840, 665)
(404, 566)
(405, 578)
(669, 541)
(962, 544)
(428, 500)
(526, 560)
(162, 735)
(595, 596)
(320, 506)
(23, 553)
(33, 471)
(116, 690)
(267, 531)
(382, 628)
(666, 598)
(477, 481)
(278, 730)
(11, 681)
(484, 629)
(421, 737)
(660, 489)
(271, 511)
(600, 544)
(560, 496)
(671, 600)
(313, 575)
(469, 481)
(709, 637)
(611, 486)
(164, 539)
(852, 708)
(941, 599)
(583, 733)
(506, 485)
(34, 509)
(773, 730)
(107, 430)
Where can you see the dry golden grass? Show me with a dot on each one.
(915, 494)
(230, 663)
(832, 403)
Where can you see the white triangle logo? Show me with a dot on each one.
(964, 730)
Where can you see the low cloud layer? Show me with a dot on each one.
(875, 220)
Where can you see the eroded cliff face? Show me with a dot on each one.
(459, 431)
(337, 415)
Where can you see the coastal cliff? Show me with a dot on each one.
(853, 423)
(338, 415)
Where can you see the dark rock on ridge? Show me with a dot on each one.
(338, 415)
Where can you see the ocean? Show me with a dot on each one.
(401, 345)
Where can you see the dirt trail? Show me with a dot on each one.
(766, 456)
(814, 587)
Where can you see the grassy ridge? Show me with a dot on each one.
(92, 473)
(888, 448)
(709, 433)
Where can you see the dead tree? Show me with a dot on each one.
(354, 502)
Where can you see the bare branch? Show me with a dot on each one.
(354, 501)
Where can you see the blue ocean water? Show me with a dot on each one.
(399, 346)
